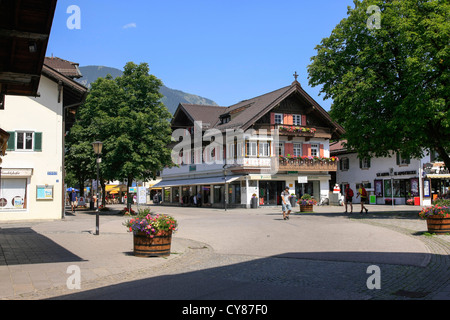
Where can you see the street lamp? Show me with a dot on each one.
(98, 146)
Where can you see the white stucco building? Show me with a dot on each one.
(32, 171)
(407, 181)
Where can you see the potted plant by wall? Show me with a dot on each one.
(152, 234)
(293, 199)
(438, 218)
(306, 203)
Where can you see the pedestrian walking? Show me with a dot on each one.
(285, 203)
(363, 194)
(73, 200)
(348, 198)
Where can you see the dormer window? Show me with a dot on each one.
(225, 119)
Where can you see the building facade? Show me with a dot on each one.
(246, 154)
(32, 171)
(402, 180)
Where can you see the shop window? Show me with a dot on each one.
(13, 194)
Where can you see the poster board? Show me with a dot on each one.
(44, 192)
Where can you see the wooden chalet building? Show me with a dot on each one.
(278, 139)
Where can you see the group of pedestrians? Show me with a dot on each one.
(348, 198)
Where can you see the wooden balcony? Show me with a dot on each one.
(276, 164)
(296, 131)
(299, 164)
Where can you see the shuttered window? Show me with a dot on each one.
(24, 141)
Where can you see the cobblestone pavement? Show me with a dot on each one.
(197, 270)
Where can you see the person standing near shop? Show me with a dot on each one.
(348, 198)
(285, 203)
(363, 194)
(73, 200)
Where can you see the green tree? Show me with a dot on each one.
(389, 81)
(127, 115)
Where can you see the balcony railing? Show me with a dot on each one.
(297, 131)
(308, 164)
(280, 164)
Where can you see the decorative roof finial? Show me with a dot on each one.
(295, 75)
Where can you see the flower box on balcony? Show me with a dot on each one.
(297, 130)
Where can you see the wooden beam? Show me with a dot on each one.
(17, 78)
(5, 33)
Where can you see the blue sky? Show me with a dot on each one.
(224, 50)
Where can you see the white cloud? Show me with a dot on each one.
(130, 25)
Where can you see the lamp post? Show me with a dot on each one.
(98, 146)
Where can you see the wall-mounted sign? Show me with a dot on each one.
(44, 192)
(302, 179)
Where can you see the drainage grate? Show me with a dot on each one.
(411, 294)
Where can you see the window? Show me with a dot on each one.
(344, 164)
(279, 149)
(364, 163)
(278, 118)
(297, 149)
(297, 120)
(251, 148)
(264, 149)
(25, 141)
(314, 150)
(402, 161)
(13, 194)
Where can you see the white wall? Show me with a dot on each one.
(355, 175)
(40, 114)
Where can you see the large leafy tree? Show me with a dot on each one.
(127, 115)
(389, 77)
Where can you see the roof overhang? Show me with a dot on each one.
(24, 33)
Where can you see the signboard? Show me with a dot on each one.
(142, 195)
(372, 199)
(44, 192)
(132, 189)
(302, 179)
(81, 201)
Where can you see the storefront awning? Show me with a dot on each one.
(198, 181)
(439, 176)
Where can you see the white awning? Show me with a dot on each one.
(198, 181)
(439, 176)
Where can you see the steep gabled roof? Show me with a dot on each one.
(208, 115)
(65, 67)
(245, 113)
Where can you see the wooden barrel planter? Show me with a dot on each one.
(439, 225)
(158, 246)
(306, 208)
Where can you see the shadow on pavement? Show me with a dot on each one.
(25, 246)
(290, 276)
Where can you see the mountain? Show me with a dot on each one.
(171, 97)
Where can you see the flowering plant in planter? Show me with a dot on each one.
(127, 212)
(297, 129)
(152, 225)
(306, 200)
(437, 210)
